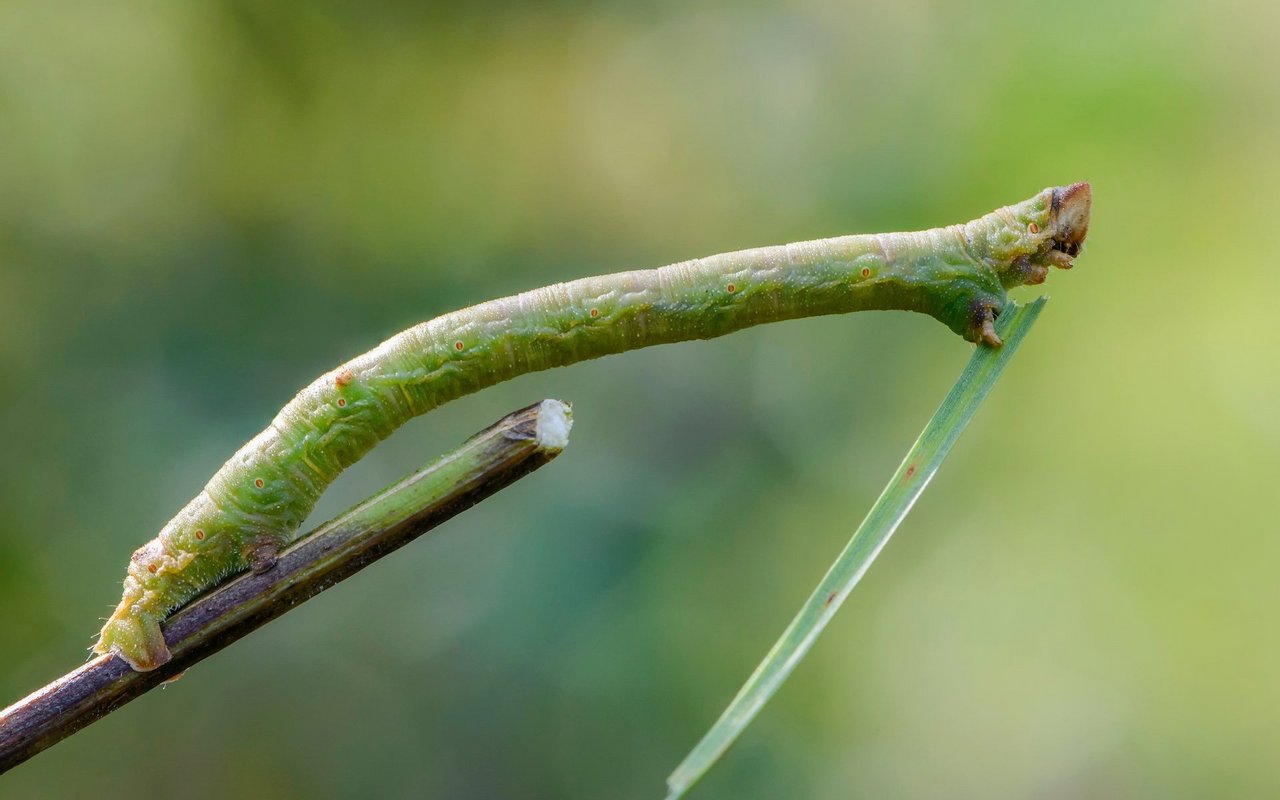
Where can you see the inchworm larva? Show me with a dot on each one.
(256, 502)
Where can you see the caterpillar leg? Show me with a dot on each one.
(260, 553)
(134, 636)
(984, 323)
(1026, 272)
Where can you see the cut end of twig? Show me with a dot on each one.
(555, 420)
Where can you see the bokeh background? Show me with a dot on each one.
(206, 204)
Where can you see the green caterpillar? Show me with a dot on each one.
(253, 506)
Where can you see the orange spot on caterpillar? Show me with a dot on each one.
(911, 470)
(595, 312)
(259, 482)
(343, 378)
(458, 346)
(152, 568)
(866, 271)
(1033, 228)
(830, 598)
(200, 534)
(342, 402)
(731, 288)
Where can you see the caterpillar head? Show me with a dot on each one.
(1023, 240)
(1069, 209)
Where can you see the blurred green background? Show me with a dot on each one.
(206, 204)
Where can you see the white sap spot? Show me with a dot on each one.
(555, 419)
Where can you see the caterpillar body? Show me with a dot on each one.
(255, 504)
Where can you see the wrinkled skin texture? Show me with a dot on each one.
(254, 505)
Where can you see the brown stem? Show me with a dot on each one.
(489, 461)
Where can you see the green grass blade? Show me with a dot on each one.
(906, 486)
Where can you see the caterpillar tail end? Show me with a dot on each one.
(135, 637)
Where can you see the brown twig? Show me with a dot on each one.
(491, 460)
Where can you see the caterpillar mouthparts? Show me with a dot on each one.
(1071, 207)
